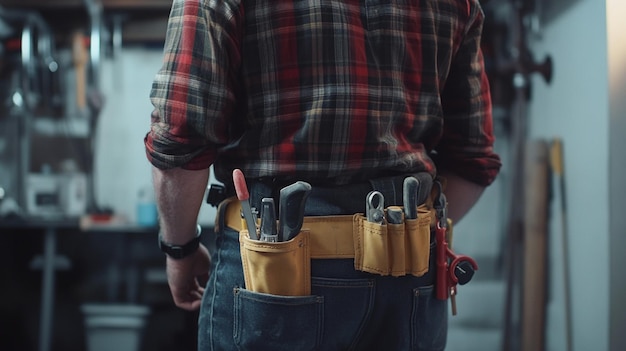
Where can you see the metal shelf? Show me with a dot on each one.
(107, 4)
(143, 21)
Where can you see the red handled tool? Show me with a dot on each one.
(452, 269)
(242, 194)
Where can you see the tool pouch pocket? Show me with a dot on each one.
(417, 243)
(371, 246)
(392, 249)
(397, 248)
(281, 268)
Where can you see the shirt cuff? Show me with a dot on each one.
(482, 171)
(164, 155)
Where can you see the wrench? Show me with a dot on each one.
(374, 207)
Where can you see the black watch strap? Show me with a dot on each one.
(181, 251)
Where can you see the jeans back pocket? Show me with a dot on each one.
(271, 322)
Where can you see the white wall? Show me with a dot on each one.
(575, 108)
(122, 168)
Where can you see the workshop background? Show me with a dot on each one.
(80, 269)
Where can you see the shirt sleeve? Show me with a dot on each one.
(466, 145)
(194, 92)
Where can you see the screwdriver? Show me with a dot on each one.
(242, 194)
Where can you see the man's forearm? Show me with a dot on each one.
(462, 195)
(179, 195)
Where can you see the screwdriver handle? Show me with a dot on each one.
(410, 193)
(243, 195)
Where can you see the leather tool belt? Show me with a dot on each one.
(283, 268)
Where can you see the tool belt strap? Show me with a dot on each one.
(330, 236)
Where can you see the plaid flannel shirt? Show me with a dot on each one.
(328, 89)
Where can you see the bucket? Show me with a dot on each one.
(114, 327)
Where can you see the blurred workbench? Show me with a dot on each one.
(111, 258)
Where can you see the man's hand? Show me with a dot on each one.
(186, 278)
(179, 195)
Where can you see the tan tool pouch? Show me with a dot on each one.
(281, 268)
(393, 249)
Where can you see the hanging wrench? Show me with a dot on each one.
(461, 268)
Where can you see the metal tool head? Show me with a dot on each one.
(374, 207)
(269, 230)
(440, 205)
(395, 215)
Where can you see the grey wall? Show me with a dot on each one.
(552, 9)
(575, 108)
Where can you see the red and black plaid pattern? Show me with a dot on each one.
(323, 89)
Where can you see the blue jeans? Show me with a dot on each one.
(347, 309)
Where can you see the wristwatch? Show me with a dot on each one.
(181, 251)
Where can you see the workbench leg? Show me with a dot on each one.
(47, 290)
